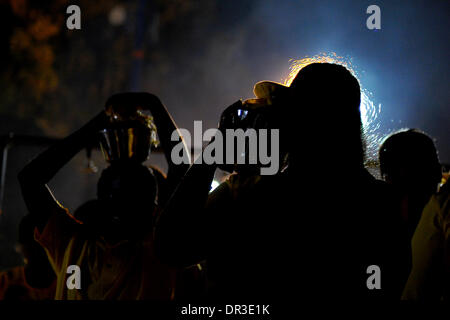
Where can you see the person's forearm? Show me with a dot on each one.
(166, 127)
(194, 188)
(181, 228)
(44, 167)
(34, 177)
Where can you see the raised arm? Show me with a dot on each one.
(166, 126)
(34, 177)
(181, 231)
(184, 228)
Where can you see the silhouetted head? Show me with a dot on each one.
(409, 161)
(126, 195)
(320, 111)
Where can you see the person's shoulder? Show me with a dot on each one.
(66, 219)
(374, 186)
(383, 188)
(60, 228)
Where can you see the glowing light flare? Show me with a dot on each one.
(214, 184)
(369, 112)
(297, 65)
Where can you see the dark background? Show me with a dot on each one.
(200, 56)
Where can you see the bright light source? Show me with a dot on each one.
(369, 111)
(214, 184)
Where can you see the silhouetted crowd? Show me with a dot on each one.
(321, 228)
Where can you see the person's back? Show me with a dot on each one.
(270, 241)
(339, 205)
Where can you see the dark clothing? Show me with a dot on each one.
(271, 237)
(430, 275)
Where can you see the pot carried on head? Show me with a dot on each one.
(131, 132)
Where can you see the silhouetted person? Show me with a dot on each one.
(430, 275)
(409, 164)
(35, 280)
(310, 230)
(114, 246)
